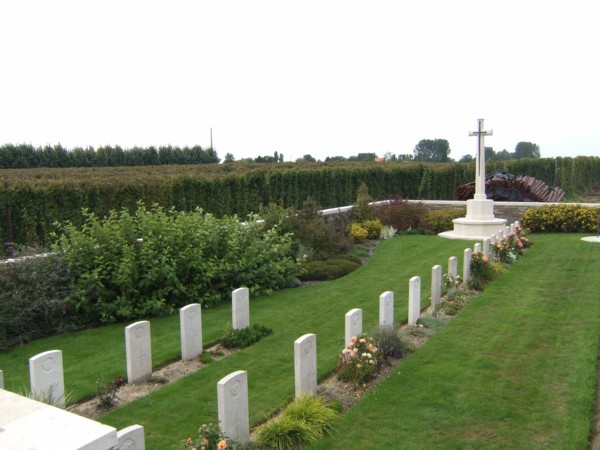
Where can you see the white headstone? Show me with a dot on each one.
(190, 326)
(138, 351)
(46, 377)
(305, 365)
(493, 239)
(240, 308)
(414, 300)
(386, 310)
(232, 399)
(477, 247)
(517, 224)
(131, 438)
(436, 285)
(353, 324)
(506, 231)
(467, 265)
(452, 271)
(1, 380)
(486, 247)
(512, 227)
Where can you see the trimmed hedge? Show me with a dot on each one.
(32, 200)
(561, 218)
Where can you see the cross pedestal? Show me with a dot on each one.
(479, 222)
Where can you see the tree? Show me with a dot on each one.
(490, 154)
(527, 150)
(466, 159)
(306, 158)
(435, 150)
(229, 158)
(504, 155)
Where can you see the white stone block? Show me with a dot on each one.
(414, 300)
(486, 247)
(138, 351)
(305, 365)
(190, 326)
(240, 308)
(436, 285)
(467, 265)
(47, 378)
(232, 399)
(131, 438)
(386, 310)
(353, 324)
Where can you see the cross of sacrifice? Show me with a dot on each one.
(480, 160)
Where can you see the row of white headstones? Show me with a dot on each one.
(46, 369)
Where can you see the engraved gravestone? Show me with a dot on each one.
(190, 323)
(138, 351)
(240, 308)
(386, 310)
(467, 265)
(452, 272)
(436, 285)
(305, 365)
(353, 324)
(47, 378)
(232, 399)
(131, 438)
(414, 300)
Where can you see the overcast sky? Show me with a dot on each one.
(324, 78)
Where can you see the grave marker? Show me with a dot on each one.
(353, 324)
(47, 378)
(414, 300)
(240, 308)
(477, 247)
(467, 265)
(190, 326)
(436, 285)
(386, 310)
(232, 399)
(1, 380)
(131, 438)
(452, 272)
(305, 365)
(138, 351)
(486, 247)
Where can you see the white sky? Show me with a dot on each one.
(323, 77)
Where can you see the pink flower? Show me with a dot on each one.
(222, 444)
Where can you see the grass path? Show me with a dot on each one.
(515, 370)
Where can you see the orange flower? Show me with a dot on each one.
(222, 444)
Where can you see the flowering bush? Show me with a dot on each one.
(482, 270)
(452, 282)
(373, 228)
(210, 437)
(504, 252)
(562, 218)
(358, 362)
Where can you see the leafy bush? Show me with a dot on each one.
(302, 422)
(358, 233)
(482, 270)
(127, 266)
(362, 209)
(32, 300)
(441, 220)
(561, 218)
(245, 337)
(388, 343)
(330, 269)
(358, 362)
(373, 228)
(401, 214)
(387, 232)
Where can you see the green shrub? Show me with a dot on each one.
(388, 343)
(244, 337)
(482, 271)
(401, 214)
(127, 266)
(304, 421)
(561, 218)
(33, 302)
(362, 209)
(441, 220)
(358, 233)
(329, 269)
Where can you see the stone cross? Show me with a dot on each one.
(480, 161)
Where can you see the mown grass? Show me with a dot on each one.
(176, 410)
(516, 369)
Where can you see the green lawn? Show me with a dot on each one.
(515, 369)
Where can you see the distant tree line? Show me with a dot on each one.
(522, 150)
(26, 156)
